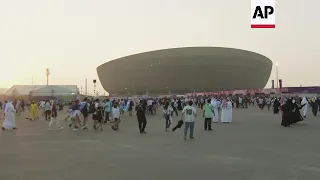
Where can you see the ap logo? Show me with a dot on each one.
(263, 14)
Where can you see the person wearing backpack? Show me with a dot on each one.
(84, 111)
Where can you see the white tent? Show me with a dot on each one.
(3, 90)
(53, 91)
(20, 89)
(26, 90)
(13, 93)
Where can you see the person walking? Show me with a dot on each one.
(208, 114)
(107, 110)
(54, 114)
(115, 116)
(47, 110)
(33, 110)
(141, 116)
(167, 113)
(188, 115)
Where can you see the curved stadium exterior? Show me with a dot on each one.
(184, 70)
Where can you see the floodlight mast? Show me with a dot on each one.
(47, 74)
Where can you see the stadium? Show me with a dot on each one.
(185, 70)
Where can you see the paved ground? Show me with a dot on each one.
(253, 147)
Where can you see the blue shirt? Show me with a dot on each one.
(75, 107)
(82, 105)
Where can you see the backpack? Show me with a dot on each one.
(92, 108)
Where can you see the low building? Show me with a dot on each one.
(33, 91)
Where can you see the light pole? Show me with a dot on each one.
(277, 74)
(94, 87)
(47, 74)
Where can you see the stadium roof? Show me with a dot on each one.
(183, 70)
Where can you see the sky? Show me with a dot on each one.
(73, 37)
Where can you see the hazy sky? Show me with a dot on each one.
(73, 37)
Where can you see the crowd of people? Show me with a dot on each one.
(109, 111)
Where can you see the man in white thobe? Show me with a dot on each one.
(9, 121)
(219, 109)
(226, 114)
(18, 107)
(214, 104)
(305, 105)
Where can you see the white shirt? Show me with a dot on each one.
(96, 105)
(168, 111)
(240, 100)
(189, 113)
(268, 101)
(218, 104)
(214, 103)
(42, 103)
(115, 112)
(47, 106)
(175, 104)
(229, 105)
(18, 104)
(121, 104)
(149, 102)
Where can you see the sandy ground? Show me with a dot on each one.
(253, 147)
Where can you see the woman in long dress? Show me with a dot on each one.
(9, 121)
(276, 106)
